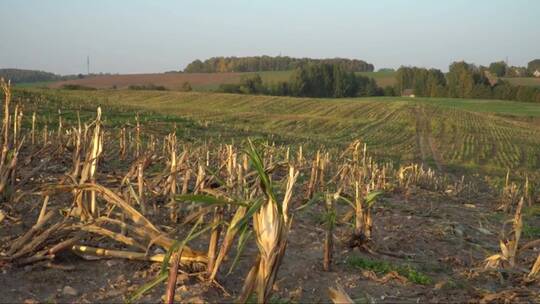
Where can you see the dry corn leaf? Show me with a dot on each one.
(506, 296)
(535, 269)
(386, 278)
(338, 295)
(439, 285)
(505, 249)
(493, 261)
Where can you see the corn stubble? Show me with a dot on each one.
(271, 224)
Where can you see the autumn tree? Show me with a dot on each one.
(498, 68)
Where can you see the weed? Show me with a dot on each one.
(383, 267)
(531, 232)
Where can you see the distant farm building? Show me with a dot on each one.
(519, 71)
(536, 73)
(491, 78)
(408, 93)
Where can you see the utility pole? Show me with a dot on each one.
(88, 65)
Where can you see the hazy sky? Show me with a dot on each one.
(156, 36)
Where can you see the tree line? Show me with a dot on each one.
(327, 80)
(463, 80)
(29, 76)
(20, 76)
(269, 63)
(315, 79)
(502, 69)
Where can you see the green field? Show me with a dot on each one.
(382, 78)
(454, 135)
(39, 84)
(524, 81)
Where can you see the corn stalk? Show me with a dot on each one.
(271, 223)
(330, 219)
(508, 244)
(10, 152)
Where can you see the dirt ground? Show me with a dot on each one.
(444, 237)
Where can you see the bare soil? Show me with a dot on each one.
(443, 237)
(171, 81)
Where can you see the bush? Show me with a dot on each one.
(526, 94)
(389, 91)
(147, 87)
(229, 88)
(252, 85)
(186, 87)
(280, 88)
(77, 87)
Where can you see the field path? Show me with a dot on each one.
(425, 140)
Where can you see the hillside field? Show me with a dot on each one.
(455, 135)
(524, 81)
(205, 82)
(199, 81)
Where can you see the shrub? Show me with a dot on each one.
(147, 87)
(229, 88)
(186, 87)
(77, 87)
(382, 267)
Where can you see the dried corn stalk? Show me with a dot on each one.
(535, 269)
(86, 201)
(508, 245)
(9, 154)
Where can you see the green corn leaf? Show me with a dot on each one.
(242, 240)
(346, 200)
(316, 197)
(249, 213)
(265, 179)
(371, 198)
(147, 287)
(177, 245)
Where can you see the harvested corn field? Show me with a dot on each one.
(111, 203)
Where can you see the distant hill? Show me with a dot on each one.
(23, 76)
(268, 63)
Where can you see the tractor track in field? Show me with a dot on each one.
(425, 140)
(378, 122)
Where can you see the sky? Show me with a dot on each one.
(136, 36)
